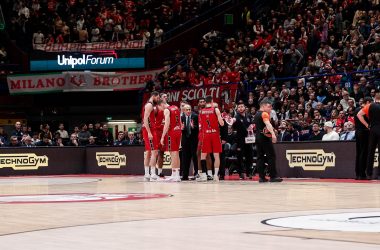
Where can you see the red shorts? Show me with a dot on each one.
(211, 143)
(173, 140)
(158, 139)
(150, 145)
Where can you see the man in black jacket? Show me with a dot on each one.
(189, 141)
(244, 151)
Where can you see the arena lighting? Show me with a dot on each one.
(122, 122)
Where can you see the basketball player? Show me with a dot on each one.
(202, 105)
(171, 137)
(160, 121)
(372, 111)
(150, 136)
(265, 137)
(210, 118)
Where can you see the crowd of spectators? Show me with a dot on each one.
(316, 45)
(64, 21)
(83, 135)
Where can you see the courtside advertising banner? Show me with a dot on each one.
(79, 81)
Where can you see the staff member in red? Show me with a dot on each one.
(150, 136)
(372, 111)
(210, 118)
(172, 141)
(265, 137)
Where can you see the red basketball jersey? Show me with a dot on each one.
(151, 118)
(209, 121)
(175, 118)
(160, 120)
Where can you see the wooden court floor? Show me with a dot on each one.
(113, 212)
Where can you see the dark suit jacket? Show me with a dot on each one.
(129, 142)
(194, 129)
(286, 137)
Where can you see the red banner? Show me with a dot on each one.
(224, 95)
(80, 81)
(81, 47)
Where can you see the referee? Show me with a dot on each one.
(372, 111)
(265, 137)
(362, 140)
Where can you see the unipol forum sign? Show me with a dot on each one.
(88, 56)
(80, 81)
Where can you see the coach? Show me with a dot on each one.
(189, 141)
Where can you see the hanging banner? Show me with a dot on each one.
(80, 81)
(82, 47)
(223, 94)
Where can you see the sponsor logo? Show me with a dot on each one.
(311, 160)
(84, 60)
(111, 159)
(376, 161)
(347, 222)
(167, 161)
(23, 161)
(79, 197)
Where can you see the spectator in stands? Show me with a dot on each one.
(158, 35)
(73, 140)
(45, 132)
(105, 137)
(120, 139)
(45, 142)
(131, 140)
(3, 137)
(348, 133)
(28, 142)
(14, 142)
(18, 131)
(330, 135)
(83, 135)
(62, 132)
(91, 142)
(316, 134)
(59, 142)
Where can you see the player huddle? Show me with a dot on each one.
(162, 131)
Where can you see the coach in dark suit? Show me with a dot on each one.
(189, 141)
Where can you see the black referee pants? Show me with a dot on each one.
(374, 142)
(265, 149)
(362, 140)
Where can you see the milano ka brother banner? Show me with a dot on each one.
(79, 81)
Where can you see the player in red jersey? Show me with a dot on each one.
(149, 135)
(171, 137)
(210, 118)
(160, 121)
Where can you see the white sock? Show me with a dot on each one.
(153, 170)
(209, 172)
(178, 173)
(159, 171)
(146, 170)
(216, 171)
(203, 174)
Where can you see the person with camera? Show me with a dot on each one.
(265, 138)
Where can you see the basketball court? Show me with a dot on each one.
(118, 212)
